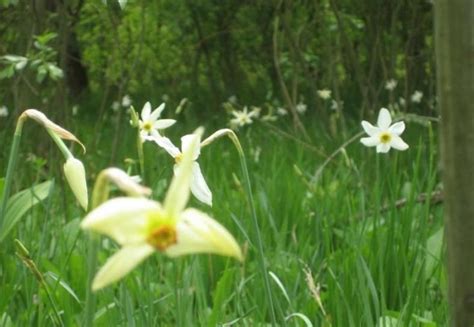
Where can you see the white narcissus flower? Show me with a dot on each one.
(417, 96)
(150, 124)
(142, 226)
(242, 118)
(199, 186)
(384, 136)
(391, 84)
(76, 178)
(115, 106)
(126, 101)
(301, 108)
(3, 111)
(324, 94)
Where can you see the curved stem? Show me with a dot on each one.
(256, 228)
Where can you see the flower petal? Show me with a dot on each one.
(370, 141)
(178, 192)
(397, 128)
(186, 141)
(167, 145)
(199, 186)
(398, 143)
(120, 264)
(369, 128)
(157, 112)
(384, 120)
(127, 184)
(123, 219)
(383, 148)
(163, 123)
(146, 111)
(199, 233)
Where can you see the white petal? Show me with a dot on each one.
(178, 192)
(199, 233)
(154, 134)
(370, 141)
(384, 120)
(146, 111)
(397, 128)
(164, 123)
(199, 186)
(120, 264)
(369, 128)
(383, 148)
(398, 143)
(186, 142)
(157, 112)
(166, 144)
(123, 219)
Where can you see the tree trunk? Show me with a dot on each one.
(454, 34)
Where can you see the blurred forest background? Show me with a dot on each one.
(59, 54)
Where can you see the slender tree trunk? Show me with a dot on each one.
(454, 28)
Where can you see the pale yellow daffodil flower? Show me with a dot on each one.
(142, 226)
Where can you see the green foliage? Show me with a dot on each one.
(41, 60)
(350, 239)
(19, 204)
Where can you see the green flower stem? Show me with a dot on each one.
(141, 156)
(258, 241)
(100, 194)
(10, 169)
(92, 246)
(59, 142)
(248, 189)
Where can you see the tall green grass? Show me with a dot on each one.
(359, 247)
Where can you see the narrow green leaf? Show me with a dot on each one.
(434, 247)
(21, 202)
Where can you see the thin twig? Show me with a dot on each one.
(434, 198)
(319, 170)
(307, 145)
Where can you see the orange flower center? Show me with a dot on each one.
(162, 237)
(385, 137)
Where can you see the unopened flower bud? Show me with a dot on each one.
(76, 177)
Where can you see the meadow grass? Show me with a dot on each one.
(360, 245)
